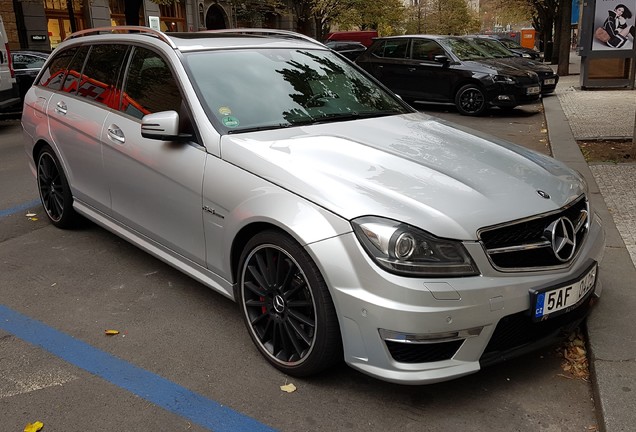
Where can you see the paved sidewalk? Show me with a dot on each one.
(596, 114)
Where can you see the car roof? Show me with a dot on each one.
(31, 52)
(203, 40)
(428, 36)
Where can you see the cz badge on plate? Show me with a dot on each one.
(555, 300)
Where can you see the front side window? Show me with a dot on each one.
(424, 49)
(150, 86)
(251, 89)
(100, 75)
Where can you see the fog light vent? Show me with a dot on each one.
(423, 353)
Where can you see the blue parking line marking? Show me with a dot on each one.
(147, 385)
(19, 208)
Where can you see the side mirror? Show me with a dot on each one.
(441, 59)
(163, 126)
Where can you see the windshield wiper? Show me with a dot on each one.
(334, 117)
(260, 128)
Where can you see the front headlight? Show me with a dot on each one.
(503, 79)
(409, 251)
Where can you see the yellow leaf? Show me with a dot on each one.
(289, 388)
(34, 427)
(111, 332)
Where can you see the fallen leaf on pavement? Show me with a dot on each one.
(111, 332)
(289, 388)
(33, 427)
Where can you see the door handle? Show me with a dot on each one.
(116, 134)
(61, 108)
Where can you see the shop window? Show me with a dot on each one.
(173, 17)
(118, 13)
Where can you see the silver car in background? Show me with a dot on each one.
(345, 224)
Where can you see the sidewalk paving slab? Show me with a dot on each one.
(581, 115)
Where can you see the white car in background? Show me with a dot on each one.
(345, 224)
(9, 96)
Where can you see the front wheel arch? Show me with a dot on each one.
(471, 99)
(286, 305)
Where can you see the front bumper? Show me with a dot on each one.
(460, 315)
(513, 95)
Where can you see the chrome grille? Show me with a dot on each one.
(526, 245)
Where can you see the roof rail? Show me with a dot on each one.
(264, 32)
(123, 29)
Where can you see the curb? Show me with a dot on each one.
(611, 335)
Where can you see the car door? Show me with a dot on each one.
(76, 113)
(425, 78)
(387, 62)
(155, 185)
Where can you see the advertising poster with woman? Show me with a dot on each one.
(614, 25)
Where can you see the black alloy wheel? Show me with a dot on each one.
(470, 100)
(287, 307)
(55, 193)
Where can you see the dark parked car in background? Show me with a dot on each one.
(349, 49)
(27, 65)
(501, 54)
(448, 70)
(519, 50)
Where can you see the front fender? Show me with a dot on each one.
(237, 204)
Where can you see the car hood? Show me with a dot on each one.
(490, 66)
(523, 64)
(413, 168)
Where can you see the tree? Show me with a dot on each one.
(442, 17)
(385, 16)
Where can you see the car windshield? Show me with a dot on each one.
(509, 43)
(464, 50)
(258, 89)
(491, 47)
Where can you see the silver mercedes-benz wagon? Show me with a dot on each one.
(345, 224)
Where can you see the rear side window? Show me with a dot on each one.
(100, 75)
(391, 48)
(150, 86)
(53, 75)
(74, 72)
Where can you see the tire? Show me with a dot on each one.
(470, 100)
(286, 306)
(55, 192)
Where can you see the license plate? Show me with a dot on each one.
(555, 301)
(533, 90)
(549, 81)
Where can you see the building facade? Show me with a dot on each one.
(43, 24)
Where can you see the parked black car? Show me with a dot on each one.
(448, 70)
(27, 64)
(349, 49)
(501, 54)
(519, 50)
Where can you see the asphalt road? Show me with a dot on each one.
(183, 359)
